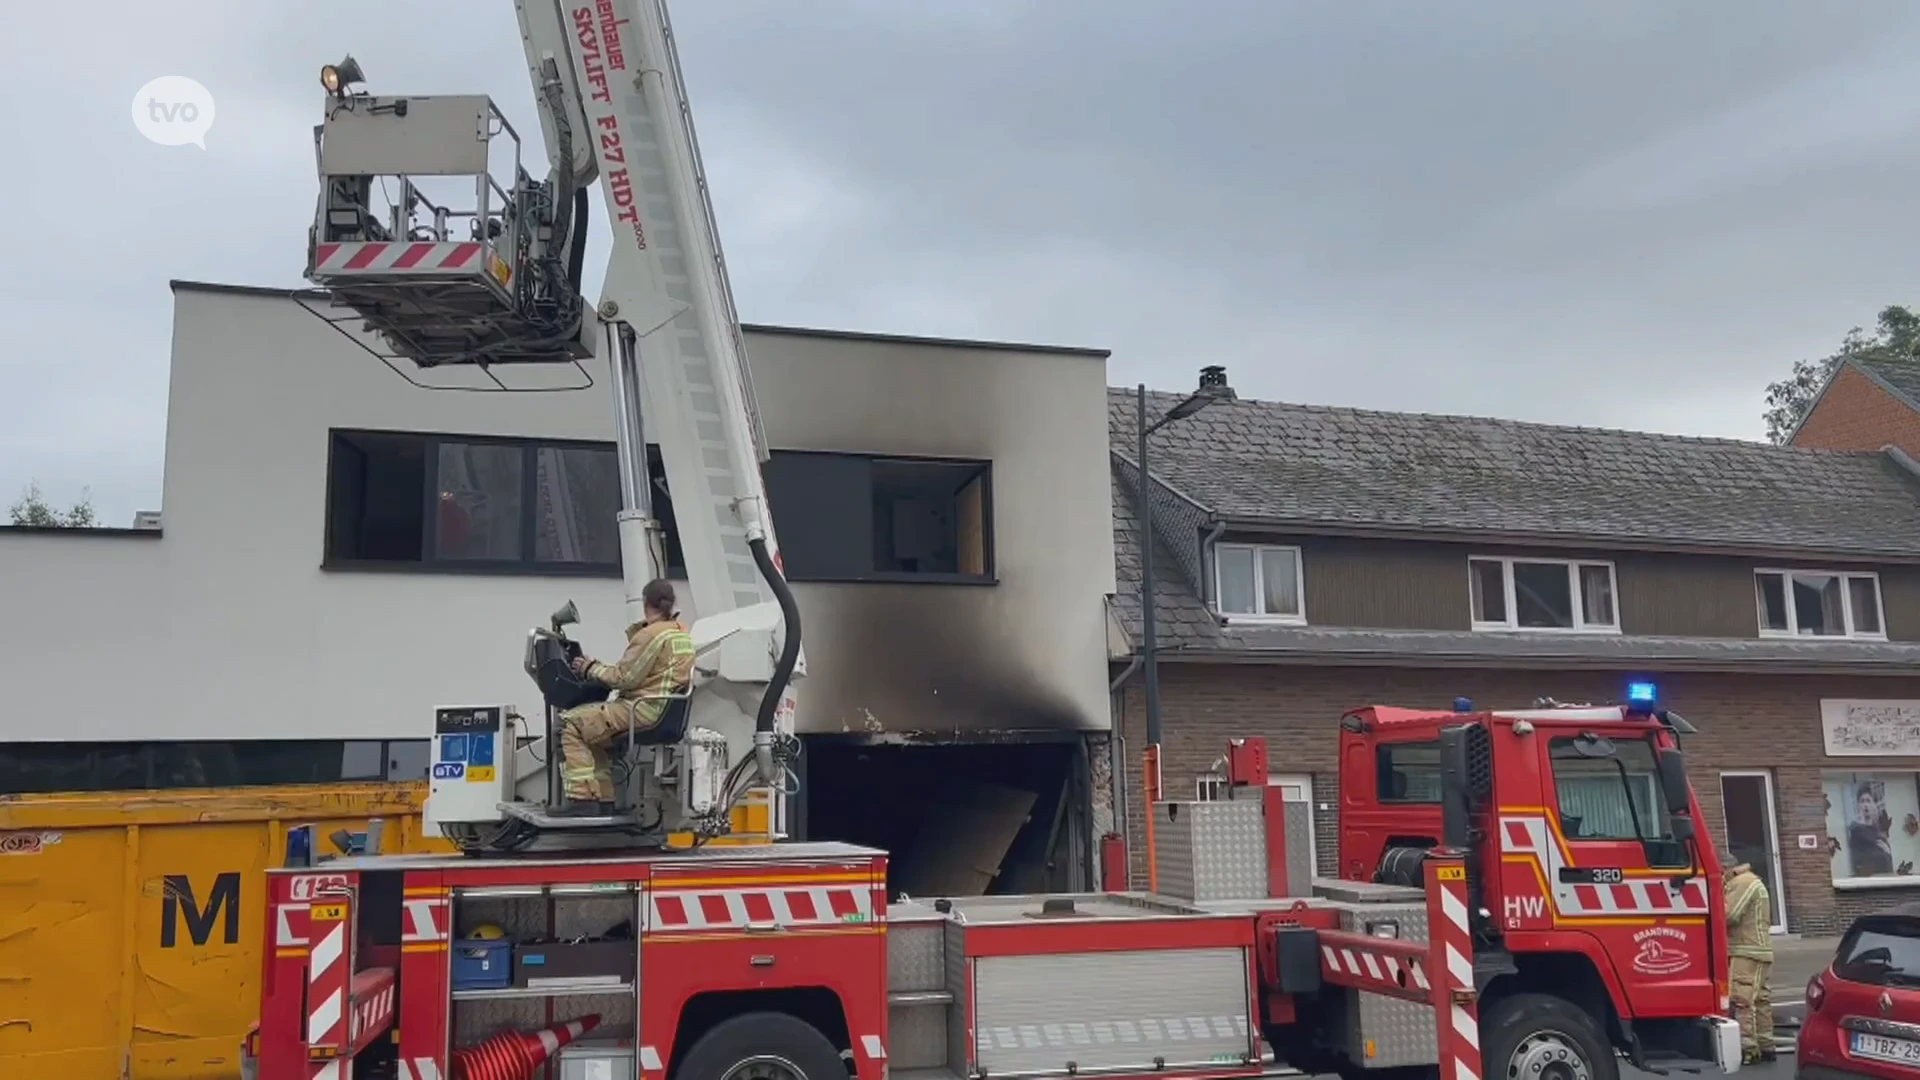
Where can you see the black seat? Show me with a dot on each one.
(672, 726)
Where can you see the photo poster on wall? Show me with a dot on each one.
(1873, 824)
(1873, 818)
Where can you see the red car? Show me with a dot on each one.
(1863, 1012)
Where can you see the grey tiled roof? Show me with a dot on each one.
(1284, 464)
(1361, 469)
(1902, 379)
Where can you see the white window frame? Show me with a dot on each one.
(1259, 585)
(1846, 605)
(1210, 787)
(1511, 624)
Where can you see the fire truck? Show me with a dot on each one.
(1530, 889)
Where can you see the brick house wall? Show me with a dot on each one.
(1858, 414)
(1762, 722)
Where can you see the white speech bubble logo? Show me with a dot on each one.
(173, 110)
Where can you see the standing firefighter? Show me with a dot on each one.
(656, 668)
(1750, 955)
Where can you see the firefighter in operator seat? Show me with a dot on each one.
(657, 666)
(1750, 958)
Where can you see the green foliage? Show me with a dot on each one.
(1895, 339)
(34, 510)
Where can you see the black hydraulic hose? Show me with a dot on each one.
(789, 648)
(577, 256)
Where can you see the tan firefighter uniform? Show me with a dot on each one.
(657, 665)
(1750, 956)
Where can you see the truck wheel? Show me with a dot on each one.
(762, 1046)
(1542, 1037)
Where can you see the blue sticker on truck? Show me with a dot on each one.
(479, 750)
(454, 747)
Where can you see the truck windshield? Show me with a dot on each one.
(1597, 802)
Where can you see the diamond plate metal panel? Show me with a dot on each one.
(1366, 892)
(1173, 849)
(1401, 1031)
(1300, 869)
(916, 1036)
(1209, 851)
(1229, 849)
(960, 985)
(916, 954)
(1111, 1011)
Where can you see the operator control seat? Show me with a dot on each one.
(563, 690)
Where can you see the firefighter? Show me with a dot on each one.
(657, 667)
(1750, 958)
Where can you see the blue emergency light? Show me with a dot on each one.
(1641, 693)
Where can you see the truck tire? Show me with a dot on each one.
(762, 1046)
(1542, 1037)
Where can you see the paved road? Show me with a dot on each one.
(1781, 1069)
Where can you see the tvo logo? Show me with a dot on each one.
(173, 110)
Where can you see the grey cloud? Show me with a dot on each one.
(1627, 213)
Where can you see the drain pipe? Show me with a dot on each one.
(1117, 764)
(1206, 558)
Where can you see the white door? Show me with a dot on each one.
(1298, 787)
(1746, 796)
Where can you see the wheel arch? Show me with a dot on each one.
(818, 1007)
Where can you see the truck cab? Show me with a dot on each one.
(1589, 867)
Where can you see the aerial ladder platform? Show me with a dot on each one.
(439, 251)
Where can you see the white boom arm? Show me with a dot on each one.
(607, 81)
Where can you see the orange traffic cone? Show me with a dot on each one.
(514, 1055)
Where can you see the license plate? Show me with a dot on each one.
(1882, 1048)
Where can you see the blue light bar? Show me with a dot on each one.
(1641, 693)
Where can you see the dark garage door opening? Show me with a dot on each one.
(956, 819)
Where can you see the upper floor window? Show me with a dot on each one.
(478, 503)
(1542, 594)
(855, 517)
(1819, 603)
(1259, 581)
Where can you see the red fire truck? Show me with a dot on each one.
(1527, 887)
(1490, 923)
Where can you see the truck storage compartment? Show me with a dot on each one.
(585, 933)
(1154, 986)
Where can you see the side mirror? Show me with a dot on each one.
(1455, 788)
(1673, 781)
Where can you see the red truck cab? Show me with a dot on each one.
(1589, 867)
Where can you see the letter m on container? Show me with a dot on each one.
(179, 903)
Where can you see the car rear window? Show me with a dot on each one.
(1881, 952)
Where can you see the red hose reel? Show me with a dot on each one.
(514, 1055)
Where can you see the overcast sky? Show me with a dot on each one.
(1612, 213)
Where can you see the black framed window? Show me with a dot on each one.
(42, 768)
(853, 517)
(407, 500)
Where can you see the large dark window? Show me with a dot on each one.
(34, 768)
(849, 517)
(461, 502)
(402, 500)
